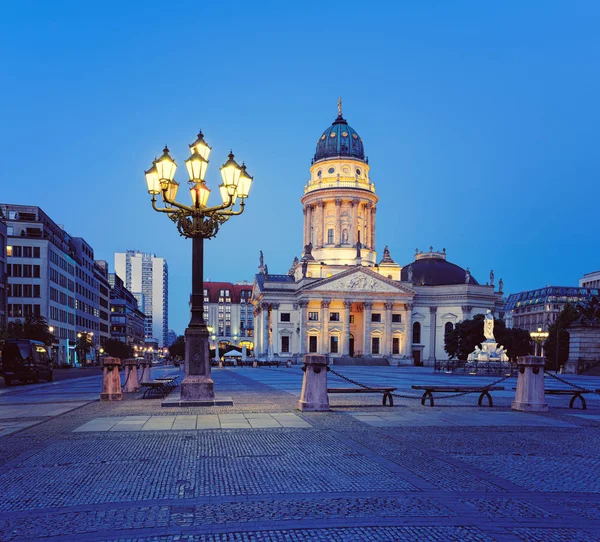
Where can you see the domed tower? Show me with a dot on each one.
(339, 199)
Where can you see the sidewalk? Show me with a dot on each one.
(262, 470)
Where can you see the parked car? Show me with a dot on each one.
(25, 360)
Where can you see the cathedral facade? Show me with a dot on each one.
(338, 299)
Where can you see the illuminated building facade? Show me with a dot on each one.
(338, 299)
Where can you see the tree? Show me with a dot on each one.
(82, 346)
(559, 338)
(33, 327)
(118, 349)
(177, 349)
(468, 334)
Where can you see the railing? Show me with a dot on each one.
(340, 184)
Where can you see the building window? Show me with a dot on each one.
(334, 316)
(416, 338)
(9, 250)
(448, 328)
(285, 344)
(312, 344)
(17, 252)
(330, 236)
(333, 344)
(285, 317)
(27, 252)
(36, 271)
(352, 318)
(375, 345)
(375, 317)
(313, 316)
(36, 252)
(396, 318)
(395, 345)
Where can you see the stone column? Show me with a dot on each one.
(309, 224)
(257, 331)
(146, 366)
(466, 309)
(111, 380)
(303, 335)
(338, 222)
(354, 227)
(313, 397)
(275, 326)
(325, 326)
(407, 346)
(368, 307)
(529, 396)
(432, 332)
(373, 210)
(265, 330)
(387, 338)
(305, 213)
(323, 240)
(346, 339)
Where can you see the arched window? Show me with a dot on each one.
(416, 333)
(448, 328)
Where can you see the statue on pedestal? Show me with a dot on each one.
(492, 277)
(467, 276)
(488, 326)
(304, 268)
(261, 260)
(358, 246)
(500, 285)
(410, 274)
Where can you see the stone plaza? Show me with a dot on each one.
(75, 468)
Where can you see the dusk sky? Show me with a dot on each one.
(480, 121)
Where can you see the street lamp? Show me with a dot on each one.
(198, 222)
(539, 337)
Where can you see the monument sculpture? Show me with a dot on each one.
(489, 350)
(467, 276)
(492, 277)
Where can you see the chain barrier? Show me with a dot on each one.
(125, 384)
(403, 396)
(580, 388)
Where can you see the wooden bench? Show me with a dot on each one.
(483, 391)
(387, 392)
(160, 387)
(574, 392)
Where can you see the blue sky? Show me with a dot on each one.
(479, 119)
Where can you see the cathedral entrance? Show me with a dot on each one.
(417, 357)
(351, 346)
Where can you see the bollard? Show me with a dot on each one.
(530, 385)
(111, 380)
(220, 364)
(255, 364)
(131, 377)
(146, 367)
(313, 397)
(288, 363)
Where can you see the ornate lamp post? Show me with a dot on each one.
(198, 222)
(539, 337)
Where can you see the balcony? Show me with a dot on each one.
(342, 182)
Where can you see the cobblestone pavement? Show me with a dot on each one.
(451, 473)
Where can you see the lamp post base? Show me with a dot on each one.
(197, 388)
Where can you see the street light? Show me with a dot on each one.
(198, 222)
(539, 337)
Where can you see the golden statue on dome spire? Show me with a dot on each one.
(340, 106)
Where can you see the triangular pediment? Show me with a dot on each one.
(359, 281)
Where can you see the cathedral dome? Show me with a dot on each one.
(432, 269)
(339, 139)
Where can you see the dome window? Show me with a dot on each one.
(354, 136)
(346, 169)
(345, 134)
(331, 170)
(357, 171)
(319, 173)
(323, 136)
(332, 134)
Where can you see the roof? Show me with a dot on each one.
(235, 291)
(549, 294)
(339, 139)
(435, 271)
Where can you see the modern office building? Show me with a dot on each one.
(171, 337)
(101, 276)
(2, 271)
(229, 313)
(126, 320)
(51, 274)
(539, 308)
(147, 277)
(590, 280)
